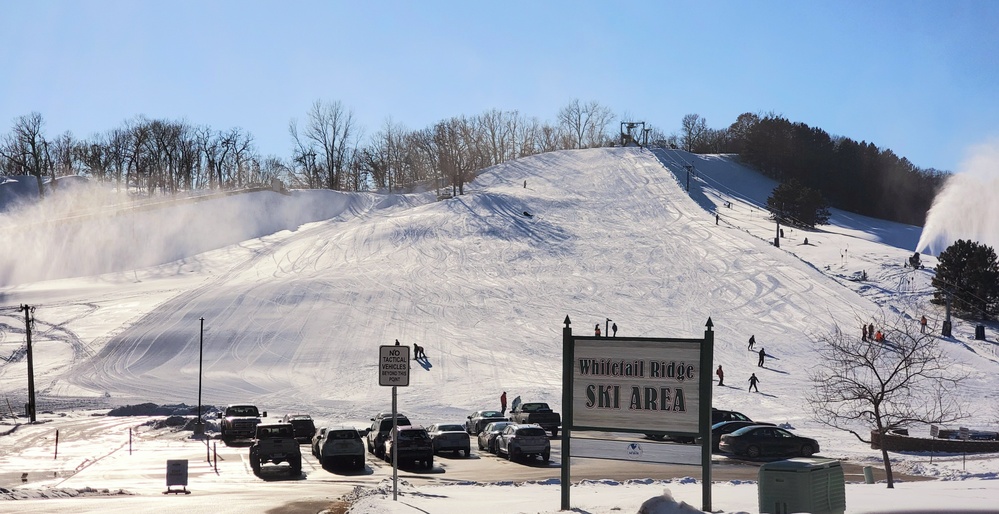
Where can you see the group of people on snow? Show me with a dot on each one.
(613, 327)
(753, 379)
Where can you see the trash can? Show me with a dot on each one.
(812, 485)
(979, 332)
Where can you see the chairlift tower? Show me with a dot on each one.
(630, 135)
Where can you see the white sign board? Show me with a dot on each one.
(639, 385)
(393, 365)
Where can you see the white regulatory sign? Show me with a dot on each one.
(393, 365)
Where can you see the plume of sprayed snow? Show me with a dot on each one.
(90, 231)
(968, 206)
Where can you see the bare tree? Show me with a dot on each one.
(453, 152)
(329, 132)
(25, 148)
(883, 386)
(587, 124)
(694, 129)
(241, 149)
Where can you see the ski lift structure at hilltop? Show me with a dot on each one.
(634, 133)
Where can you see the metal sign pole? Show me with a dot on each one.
(395, 448)
(568, 346)
(704, 425)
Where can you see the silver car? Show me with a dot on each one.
(487, 437)
(450, 437)
(519, 441)
(341, 444)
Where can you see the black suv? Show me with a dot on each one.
(414, 445)
(717, 416)
(304, 427)
(381, 425)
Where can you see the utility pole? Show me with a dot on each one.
(777, 217)
(946, 329)
(199, 425)
(777, 235)
(29, 320)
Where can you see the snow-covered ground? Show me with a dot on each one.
(298, 292)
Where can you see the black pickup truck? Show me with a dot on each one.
(537, 413)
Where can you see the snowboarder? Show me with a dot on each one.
(879, 337)
(721, 376)
(752, 341)
(418, 352)
(864, 337)
(614, 329)
(870, 331)
(922, 324)
(503, 403)
(596, 330)
(763, 354)
(752, 383)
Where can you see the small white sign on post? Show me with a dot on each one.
(964, 433)
(393, 365)
(176, 474)
(934, 430)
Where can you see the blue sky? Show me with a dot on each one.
(919, 77)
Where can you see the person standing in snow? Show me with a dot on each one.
(596, 330)
(752, 383)
(614, 329)
(763, 355)
(752, 341)
(922, 325)
(864, 337)
(870, 331)
(503, 403)
(721, 376)
(516, 402)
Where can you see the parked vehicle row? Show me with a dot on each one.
(732, 433)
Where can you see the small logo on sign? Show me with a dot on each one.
(634, 450)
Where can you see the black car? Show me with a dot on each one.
(727, 427)
(759, 441)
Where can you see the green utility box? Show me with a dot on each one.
(802, 485)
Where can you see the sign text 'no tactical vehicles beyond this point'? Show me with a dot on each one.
(393, 365)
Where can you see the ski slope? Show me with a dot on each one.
(293, 318)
